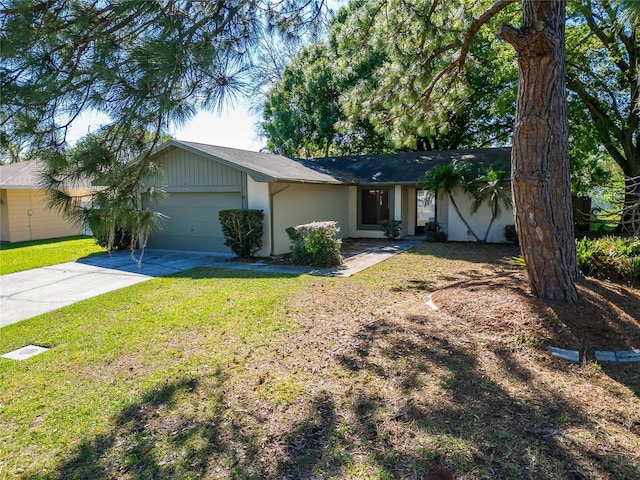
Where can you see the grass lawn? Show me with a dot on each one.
(19, 256)
(215, 373)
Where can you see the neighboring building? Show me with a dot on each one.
(357, 192)
(24, 214)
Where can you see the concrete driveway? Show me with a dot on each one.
(33, 292)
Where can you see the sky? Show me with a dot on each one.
(234, 127)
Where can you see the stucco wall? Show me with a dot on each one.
(25, 216)
(297, 204)
(4, 217)
(479, 221)
(258, 199)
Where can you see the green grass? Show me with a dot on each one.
(20, 256)
(131, 358)
(215, 373)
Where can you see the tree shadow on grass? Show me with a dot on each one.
(128, 448)
(417, 401)
(474, 425)
(154, 438)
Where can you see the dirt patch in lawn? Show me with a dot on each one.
(606, 318)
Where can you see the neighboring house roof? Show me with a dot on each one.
(408, 167)
(21, 174)
(27, 175)
(262, 167)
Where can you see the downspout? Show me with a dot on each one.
(272, 215)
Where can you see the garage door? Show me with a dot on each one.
(193, 223)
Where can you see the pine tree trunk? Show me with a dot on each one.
(540, 160)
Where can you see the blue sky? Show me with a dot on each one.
(234, 127)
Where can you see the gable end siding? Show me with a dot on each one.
(187, 172)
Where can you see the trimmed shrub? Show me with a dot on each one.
(242, 230)
(510, 234)
(315, 244)
(611, 258)
(434, 233)
(391, 228)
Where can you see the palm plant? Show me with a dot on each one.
(492, 187)
(448, 178)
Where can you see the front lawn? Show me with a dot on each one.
(19, 256)
(215, 373)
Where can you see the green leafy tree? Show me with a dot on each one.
(119, 209)
(602, 73)
(394, 94)
(302, 114)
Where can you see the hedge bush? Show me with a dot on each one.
(434, 233)
(242, 230)
(510, 234)
(612, 258)
(315, 244)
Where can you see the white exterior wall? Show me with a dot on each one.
(442, 211)
(296, 204)
(258, 199)
(409, 211)
(479, 221)
(26, 216)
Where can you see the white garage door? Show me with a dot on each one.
(193, 223)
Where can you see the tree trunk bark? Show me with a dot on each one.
(541, 185)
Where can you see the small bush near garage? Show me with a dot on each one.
(315, 244)
(121, 239)
(610, 258)
(242, 230)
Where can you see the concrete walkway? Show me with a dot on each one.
(33, 292)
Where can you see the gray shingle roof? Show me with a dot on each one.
(396, 168)
(21, 174)
(26, 175)
(408, 167)
(261, 166)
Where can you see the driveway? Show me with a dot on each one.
(33, 292)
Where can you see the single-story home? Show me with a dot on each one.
(357, 192)
(24, 211)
